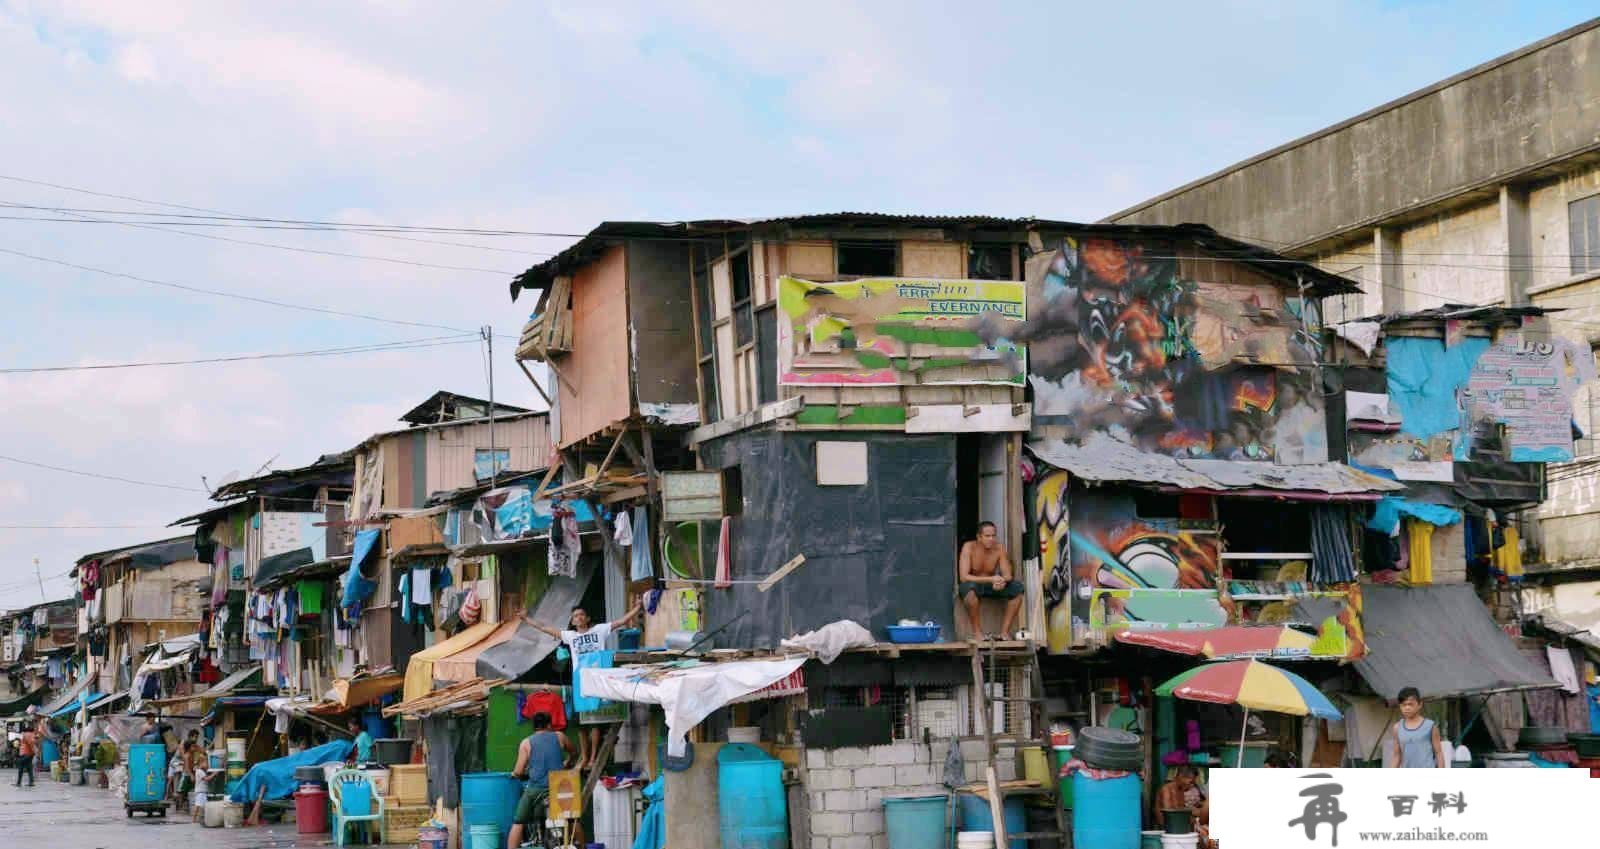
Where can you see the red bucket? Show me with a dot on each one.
(311, 810)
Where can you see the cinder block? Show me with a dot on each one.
(816, 758)
(880, 841)
(874, 799)
(854, 841)
(1005, 770)
(972, 750)
(818, 842)
(818, 802)
(875, 776)
(899, 753)
(830, 824)
(850, 757)
(828, 779)
(868, 823)
(844, 800)
(913, 774)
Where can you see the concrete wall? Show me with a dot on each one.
(1453, 257)
(845, 787)
(1499, 121)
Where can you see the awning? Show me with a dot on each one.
(1102, 458)
(463, 665)
(419, 672)
(77, 704)
(689, 691)
(465, 699)
(233, 681)
(353, 692)
(66, 696)
(529, 646)
(1441, 640)
(1229, 642)
(108, 700)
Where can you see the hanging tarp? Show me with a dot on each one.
(1441, 640)
(67, 696)
(419, 672)
(688, 691)
(528, 646)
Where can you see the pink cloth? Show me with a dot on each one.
(724, 562)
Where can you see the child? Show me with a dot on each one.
(1414, 740)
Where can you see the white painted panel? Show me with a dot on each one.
(953, 418)
(841, 463)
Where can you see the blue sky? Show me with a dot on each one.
(551, 117)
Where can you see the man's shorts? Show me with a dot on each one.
(533, 805)
(985, 589)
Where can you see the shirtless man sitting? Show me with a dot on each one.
(985, 571)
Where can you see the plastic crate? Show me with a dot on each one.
(400, 822)
(408, 783)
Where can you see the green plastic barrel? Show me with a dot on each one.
(1063, 783)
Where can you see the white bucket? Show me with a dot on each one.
(975, 839)
(1180, 841)
(211, 815)
(744, 734)
(236, 748)
(232, 815)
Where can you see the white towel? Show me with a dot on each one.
(1562, 669)
(624, 534)
(422, 586)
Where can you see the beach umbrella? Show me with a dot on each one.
(1228, 641)
(1252, 685)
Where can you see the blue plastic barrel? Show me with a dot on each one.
(489, 799)
(975, 816)
(373, 723)
(1105, 814)
(49, 751)
(753, 811)
(147, 772)
(917, 822)
(484, 836)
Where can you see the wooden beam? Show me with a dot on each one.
(783, 571)
(760, 415)
(628, 494)
(536, 386)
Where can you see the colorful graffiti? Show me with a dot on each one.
(1130, 569)
(1118, 340)
(1055, 561)
(888, 331)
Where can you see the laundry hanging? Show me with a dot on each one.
(642, 568)
(1421, 534)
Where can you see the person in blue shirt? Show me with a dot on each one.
(362, 753)
(539, 754)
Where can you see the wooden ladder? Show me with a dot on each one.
(987, 662)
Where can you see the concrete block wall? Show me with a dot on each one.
(1450, 554)
(845, 787)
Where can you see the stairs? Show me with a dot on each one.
(989, 662)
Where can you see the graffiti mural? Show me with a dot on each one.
(1118, 340)
(889, 331)
(1527, 385)
(1130, 569)
(1055, 562)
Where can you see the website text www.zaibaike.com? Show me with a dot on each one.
(1417, 834)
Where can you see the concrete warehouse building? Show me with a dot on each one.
(1483, 188)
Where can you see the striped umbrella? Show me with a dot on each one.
(1252, 685)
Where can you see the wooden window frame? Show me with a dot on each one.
(1587, 259)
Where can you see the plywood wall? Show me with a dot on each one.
(599, 392)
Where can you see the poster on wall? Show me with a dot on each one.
(1117, 339)
(890, 331)
(1527, 386)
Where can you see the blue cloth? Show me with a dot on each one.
(277, 776)
(1593, 693)
(544, 757)
(73, 706)
(356, 588)
(363, 748)
(653, 826)
(405, 596)
(643, 569)
(1547, 454)
(590, 660)
(1387, 512)
(1425, 379)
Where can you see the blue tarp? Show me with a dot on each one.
(278, 776)
(1387, 512)
(356, 588)
(76, 704)
(1425, 379)
(653, 826)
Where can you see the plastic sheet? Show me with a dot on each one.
(277, 776)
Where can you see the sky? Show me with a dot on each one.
(549, 118)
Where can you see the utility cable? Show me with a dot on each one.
(99, 476)
(427, 342)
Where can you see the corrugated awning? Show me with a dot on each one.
(1103, 458)
(65, 696)
(463, 665)
(419, 671)
(1441, 640)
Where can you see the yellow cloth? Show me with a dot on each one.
(1508, 557)
(1421, 534)
(419, 672)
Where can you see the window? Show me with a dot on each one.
(767, 353)
(867, 259)
(1583, 228)
(487, 463)
(744, 330)
(1587, 401)
(732, 491)
(705, 320)
(990, 261)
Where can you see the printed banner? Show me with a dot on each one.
(889, 331)
(1480, 808)
(1527, 386)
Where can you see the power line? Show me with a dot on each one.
(79, 527)
(84, 219)
(235, 295)
(63, 470)
(427, 342)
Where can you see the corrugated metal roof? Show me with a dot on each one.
(1441, 640)
(586, 249)
(1103, 458)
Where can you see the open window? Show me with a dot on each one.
(868, 258)
(992, 261)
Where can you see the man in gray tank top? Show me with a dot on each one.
(540, 753)
(1415, 739)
